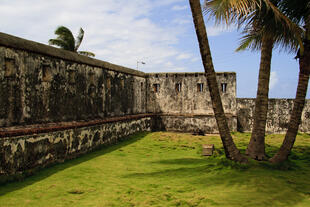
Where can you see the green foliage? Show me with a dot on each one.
(66, 41)
(256, 18)
(79, 39)
(167, 169)
(86, 53)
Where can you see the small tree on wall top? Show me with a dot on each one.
(66, 41)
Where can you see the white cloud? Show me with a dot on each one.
(166, 2)
(182, 21)
(120, 32)
(195, 59)
(273, 79)
(216, 31)
(184, 56)
(179, 7)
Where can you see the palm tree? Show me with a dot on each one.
(264, 27)
(256, 147)
(230, 148)
(299, 11)
(65, 40)
(267, 32)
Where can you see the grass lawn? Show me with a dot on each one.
(167, 169)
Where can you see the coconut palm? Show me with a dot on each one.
(265, 41)
(65, 40)
(264, 32)
(299, 11)
(264, 27)
(230, 148)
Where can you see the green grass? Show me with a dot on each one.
(167, 169)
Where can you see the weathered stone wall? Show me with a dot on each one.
(46, 88)
(23, 153)
(191, 123)
(40, 84)
(189, 100)
(278, 116)
(186, 104)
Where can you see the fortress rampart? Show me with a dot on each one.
(56, 104)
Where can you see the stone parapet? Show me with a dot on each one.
(11, 41)
(279, 112)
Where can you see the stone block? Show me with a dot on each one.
(207, 149)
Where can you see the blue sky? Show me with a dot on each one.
(158, 32)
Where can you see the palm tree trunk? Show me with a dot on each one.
(230, 148)
(299, 102)
(256, 147)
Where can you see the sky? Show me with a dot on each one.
(159, 33)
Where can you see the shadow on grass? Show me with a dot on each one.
(41, 174)
(184, 161)
(253, 184)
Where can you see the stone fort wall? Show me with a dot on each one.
(183, 103)
(42, 84)
(56, 104)
(22, 155)
(279, 112)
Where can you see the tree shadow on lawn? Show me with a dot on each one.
(42, 173)
(182, 161)
(253, 184)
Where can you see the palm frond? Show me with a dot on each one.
(79, 39)
(256, 16)
(60, 43)
(230, 11)
(296, 10)
(252, 40)
(249, 41)
(86, 53)
(66, 35)
(292, 27)
(65, 40)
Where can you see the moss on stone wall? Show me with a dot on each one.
(47, 89)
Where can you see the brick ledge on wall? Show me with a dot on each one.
(59, 126)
